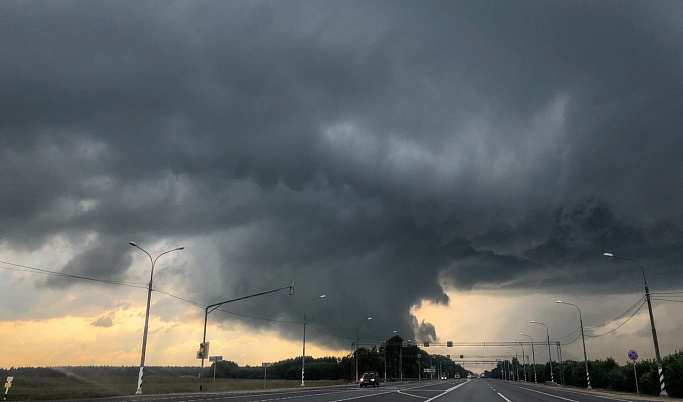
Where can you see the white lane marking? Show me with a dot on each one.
(363, 396)
(447, 391)
(554, 396)
(414, 396)
(400, 391)
(591, 394)
(284, 395)
(501, 395)
(595, 395)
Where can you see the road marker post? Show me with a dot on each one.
(8, 385)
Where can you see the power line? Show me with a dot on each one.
(25, 268)
(330, 334)
(620, 316)
(258, 318)
(668, 293)
(620, 325)
(179, 298)
(668, 300)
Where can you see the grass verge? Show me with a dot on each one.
(56, 388)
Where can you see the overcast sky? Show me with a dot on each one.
(389, 154)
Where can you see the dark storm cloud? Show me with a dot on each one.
(373, 151)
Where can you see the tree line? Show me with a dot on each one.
(387, 359)
(606, 374)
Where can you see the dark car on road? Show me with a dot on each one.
(370, 378)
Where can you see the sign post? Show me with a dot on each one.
(8, 385)
(633, 355)
(215, 360)
(265, 373)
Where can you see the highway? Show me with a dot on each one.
(475, 390)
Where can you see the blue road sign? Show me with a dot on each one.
(633, 355)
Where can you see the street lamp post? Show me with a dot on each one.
(400, 360)
(517, 364)
(533, 354)
(149, 299)
(585, 358)
(523, 361)
(550, 358)
(385, 359)
(400, 356)
(662, 385)
(303, 355)
(357, 326)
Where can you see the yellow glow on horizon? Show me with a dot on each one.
(117, 341)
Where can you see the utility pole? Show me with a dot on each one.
(662, 385)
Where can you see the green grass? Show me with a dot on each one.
(53, 388)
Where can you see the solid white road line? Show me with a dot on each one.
(501, 395)
(554, 396)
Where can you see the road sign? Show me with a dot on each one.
(215, 358)
(430, 370)
(633, 355)
(265, 364)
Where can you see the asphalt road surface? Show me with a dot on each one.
(475, 390)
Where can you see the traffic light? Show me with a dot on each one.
(449, 344)
(203, 352)
(426, 344)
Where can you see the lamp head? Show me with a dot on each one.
(559, 301)
(608, 254)
(132, 243)
(180, 248)
(323, 296)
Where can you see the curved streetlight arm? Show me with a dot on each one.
(154, 261)
(571, 304)
(144, 251)
(628, 259)
(165, 252)
(546, 327)
(310, 300)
